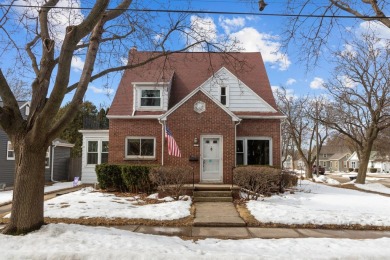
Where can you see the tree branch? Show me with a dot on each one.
(34, 63)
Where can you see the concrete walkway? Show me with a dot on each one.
(217, 214)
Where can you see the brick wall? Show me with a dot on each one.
(185, 125)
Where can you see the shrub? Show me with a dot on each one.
(136, 178)
(372, 170)
(350, 169)
(258, 180)
(356, 169)
(109, 176)
(288, 179)
(171, 180)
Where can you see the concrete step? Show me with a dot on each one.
(213, 188)
(212, 193)
(213, 199)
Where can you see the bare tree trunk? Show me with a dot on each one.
(309, 173)
(363, 166)
(27, 204)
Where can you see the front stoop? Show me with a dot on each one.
(213, 193)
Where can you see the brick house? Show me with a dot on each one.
(219, 108)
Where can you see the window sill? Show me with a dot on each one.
(140, 159)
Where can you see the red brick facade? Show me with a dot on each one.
(186, 125)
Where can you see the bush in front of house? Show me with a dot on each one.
(109, 176)
(356, 170)
(136, 178)
(350, 169)
(373, 170)
(288, 179)
(171, 179)
(257, 180)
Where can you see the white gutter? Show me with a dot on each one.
(162, 140)
(134, 117)
(52, 162)
(235, 144)
(262, 117)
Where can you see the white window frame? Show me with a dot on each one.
(141, 156)
(99, 150)
(353, 165)
(48, 156)
(226, 95)
(9, 158)
(246, 138)
(150, 107)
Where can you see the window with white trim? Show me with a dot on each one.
(140, 147)
(47, 158)
(104, 153)
(97, 152)
(254, 151)
(92, 152)
(224, 96)
(151, 98)
(10, 151)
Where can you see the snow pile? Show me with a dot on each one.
(327, 180)
(88, 203)
(320, 204)
(61, 241)
(377, 187)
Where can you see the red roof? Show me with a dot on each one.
(190, 70)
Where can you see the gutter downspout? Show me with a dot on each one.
(235, 147)
(162, 140)
(52, 162)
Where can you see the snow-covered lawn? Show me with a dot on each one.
(88, 203)
(377, 187)
(6, 196)
(61, 241)
(321, 204)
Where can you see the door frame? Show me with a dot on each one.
(220, 175)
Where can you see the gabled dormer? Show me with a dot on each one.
(151, 96)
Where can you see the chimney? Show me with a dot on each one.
(132, 53)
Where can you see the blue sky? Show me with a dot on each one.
(255, 33)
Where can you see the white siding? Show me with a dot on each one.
(88, 174)
(240, 97)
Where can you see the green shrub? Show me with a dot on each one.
(171, 180)
(373, 170)
(109, 176)
(350, 169)
(136, 178)
(257, 180)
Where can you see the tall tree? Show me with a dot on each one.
(314, 22)
(301, 124)
(360, 88)
(102, 35)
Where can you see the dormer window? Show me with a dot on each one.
(151, 98)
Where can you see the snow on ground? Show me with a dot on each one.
(88, 203)
(327, 180)
(6, 196)
(377, 187)
(62, 241)
(322, 204)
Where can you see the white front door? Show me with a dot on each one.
(211, 159)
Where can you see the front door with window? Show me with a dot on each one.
(211, 162)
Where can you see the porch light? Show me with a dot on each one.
(196, 142)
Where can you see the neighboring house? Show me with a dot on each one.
(377, 161)
(219, 108)
(57, 156)
(288, 163)
(334, 158)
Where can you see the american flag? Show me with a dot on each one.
(173, 149)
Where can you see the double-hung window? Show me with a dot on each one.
(97, 151)
(10, 151)
(140, 147)
(151, 98)
(223, 97)
(254, 151)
